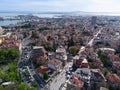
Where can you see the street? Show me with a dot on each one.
(60, 80)
(90, 43)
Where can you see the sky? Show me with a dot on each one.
(61, 5)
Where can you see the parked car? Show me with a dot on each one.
(68, 76)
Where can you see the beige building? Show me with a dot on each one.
(1, 40)
(1, 30)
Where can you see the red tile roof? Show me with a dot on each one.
(55, 62)
(10, 44)
(98, 61)
(84, 65)
(113, 78)
(108, 52)
(115, 57)
(77, 81)
(116, 65)
(42, 69)
(101, 69)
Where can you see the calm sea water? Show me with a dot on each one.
(8, 22)
(8, 15)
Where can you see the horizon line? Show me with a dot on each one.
(59, 11)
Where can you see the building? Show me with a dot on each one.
(61, 54)
(38, 51)
(41, 59)
(61, 50)
(77, 61)
(55, 64)
(84, 63)
(93, 78)
(75, 83)
(114, 58)
(80, 62)
(93, 20)
(1, 19)
(42, 70)
(116, 67)
(9, 43)
(114, 81)
(1, 30)
(1, 40)
(103, 88)
(85, 75)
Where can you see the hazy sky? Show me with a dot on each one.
(61, 5)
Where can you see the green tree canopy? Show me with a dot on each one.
(35, 35)
(103, 58)
(70, 42)
(106, 71)
(24, 86)
(2, 88)
(8, 54)
(45, 76)
(43, 28)
(73, 50)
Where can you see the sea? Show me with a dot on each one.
(42, 15)
(10, 15)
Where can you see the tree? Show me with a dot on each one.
(110, 87)
(8, 54)
(34, 84)
(37, 63)
(49, 48)
(107, 44)
(117, 50)
(22, 86)
(106, 71)
(81, 41)
(18, 77)
(43, 28)
(89, 59)
(73, 50)
(45, 76)
(34, 35)
(12, 74)
(1, 73)
(31, 88)
(99, 53)
(103, 58)
(12, 53)
(70, 42)
(87, 33)
(26, 26)
(2, 88)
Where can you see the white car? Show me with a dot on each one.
(70, 69)
(68, 76)
(68, 72)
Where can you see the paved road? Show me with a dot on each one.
(90, 43)
(22, 43)
(27, 62)
(26, 41)
(60, 79)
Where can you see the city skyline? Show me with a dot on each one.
(61, 5)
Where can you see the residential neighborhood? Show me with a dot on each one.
(66, 53)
